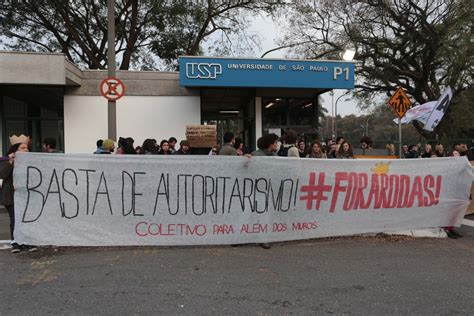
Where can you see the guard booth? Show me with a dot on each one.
(252, 97)
(45, 95)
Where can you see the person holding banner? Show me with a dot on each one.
(164, 148)
(19, 144)
(267, 147)
(316, 150)
(345, 151)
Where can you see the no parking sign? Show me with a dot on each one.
(112, 88)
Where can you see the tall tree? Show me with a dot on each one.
(78, 28)
(420, 45)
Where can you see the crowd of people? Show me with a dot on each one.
(287, 146)
(268, 145)
(457, 150)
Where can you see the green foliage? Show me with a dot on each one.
(147, 31)
(420, 45)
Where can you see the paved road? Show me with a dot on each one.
(369, 276)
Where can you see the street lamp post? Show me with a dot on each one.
(333, 130)
(335, 111)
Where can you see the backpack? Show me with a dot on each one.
(283, 152)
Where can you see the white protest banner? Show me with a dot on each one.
(92, 200)
(439, 110)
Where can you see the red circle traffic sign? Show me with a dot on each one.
(112, 88)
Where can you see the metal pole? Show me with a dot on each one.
(400, 137)
(335, 116)
(332, 115)
(111, 108)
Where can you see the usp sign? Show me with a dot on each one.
(112, 88)
(400, 102)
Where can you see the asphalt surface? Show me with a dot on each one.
(354, 276)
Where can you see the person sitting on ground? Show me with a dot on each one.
(228, 148)
(184, 148)
(345, 151)
(316, 150)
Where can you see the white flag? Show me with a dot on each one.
(439, 110)
(420, 113)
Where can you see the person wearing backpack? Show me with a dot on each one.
(289, 148)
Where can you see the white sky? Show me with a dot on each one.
(269, 33)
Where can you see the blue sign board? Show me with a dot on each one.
(265, 73)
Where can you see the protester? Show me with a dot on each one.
(108, 147)
(365, 144)
(239, 146)
(462, 149)
(148, 147)
(439, 151)
(345, 151)
(125, 147)
(172, 142)
(267, 147)
(470, 152)
(19, 144)
(228, 148)
(332, 153)
(214, 151)
(412, 152)
(339, 141)
(390, 149)
(428, 152)
(316, 150)
(164, 148)
(99, 144)
(289, 148)
(49, 145)
(404, 151)
(184, 148)
(455, 153)
(302, 148)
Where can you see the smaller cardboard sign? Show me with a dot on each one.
(200, 136)
(400, 102)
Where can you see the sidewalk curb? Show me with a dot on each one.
(429, 232)
(5, 244)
